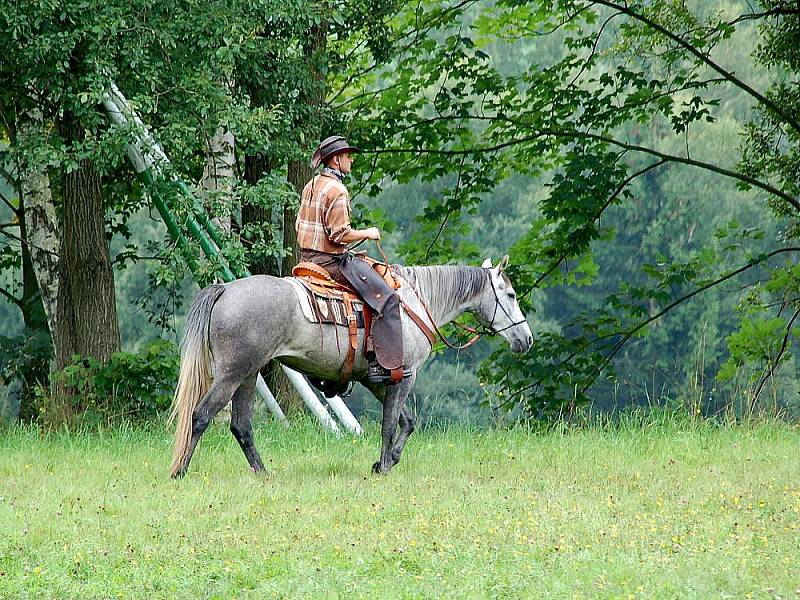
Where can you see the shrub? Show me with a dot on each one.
(131, 386)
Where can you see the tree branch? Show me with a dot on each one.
(777, 361)
(633, 331)
(26, 243)
(626, 9)
(775, 12)
(529, 32)
(627, 335)
(449, 209)
(6, 174)
(594, 48)
(7, 202)
(430, 25)
(369, 94)
(601, 115)
(597, 215)
(10, 297)
(601, 138)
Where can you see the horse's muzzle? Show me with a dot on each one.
(519, 345)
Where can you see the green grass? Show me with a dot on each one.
(654, 510)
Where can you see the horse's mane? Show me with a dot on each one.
(443, 287)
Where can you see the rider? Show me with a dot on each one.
(324, 235)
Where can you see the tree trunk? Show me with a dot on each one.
(37, 367)
(40, 223)
(39, 263)
(219, 176)
(299, 172)
(255, 167)
(218, 183)
(287, 396)
(87, 315)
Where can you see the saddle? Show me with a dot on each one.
(339, 304)
(320, 280)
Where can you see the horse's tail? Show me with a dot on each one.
(195, 374)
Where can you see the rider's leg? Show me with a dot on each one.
(386, 325)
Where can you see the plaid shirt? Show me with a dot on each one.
(324, 215)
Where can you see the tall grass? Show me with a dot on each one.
(657, 507)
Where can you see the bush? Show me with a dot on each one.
(131, 386)
(24, 366)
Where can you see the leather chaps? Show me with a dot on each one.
(387, 330)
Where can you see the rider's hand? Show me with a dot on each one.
(372, 233)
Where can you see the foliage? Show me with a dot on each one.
(131, 386)
(594, 139)
(18, 352)
(24, 358)
(627, 103)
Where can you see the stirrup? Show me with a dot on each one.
(379, 374)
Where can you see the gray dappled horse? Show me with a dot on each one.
(234, 329)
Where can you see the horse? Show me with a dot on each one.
(233, 330)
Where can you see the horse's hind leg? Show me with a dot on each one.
(242, 422)
(215, 399)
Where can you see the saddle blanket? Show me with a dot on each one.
(322, 308)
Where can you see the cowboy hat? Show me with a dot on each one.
(330, 146)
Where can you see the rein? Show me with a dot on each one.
(424, 327)
(474, 338)
(431, 334)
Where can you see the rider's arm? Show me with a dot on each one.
(338, 224)
(356, 235)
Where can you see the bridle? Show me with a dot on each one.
(494, 315)
(476, 335)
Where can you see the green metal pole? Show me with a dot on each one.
(202, 215)
(192, 226)
(199, 222)
(209, 250)
(172, 226)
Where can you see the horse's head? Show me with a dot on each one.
(500, 311)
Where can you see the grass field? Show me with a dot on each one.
(655, 510)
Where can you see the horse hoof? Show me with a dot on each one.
(376, 468)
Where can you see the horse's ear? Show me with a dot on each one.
(503, 264)
(487, 264)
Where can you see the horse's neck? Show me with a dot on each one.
(449, 290)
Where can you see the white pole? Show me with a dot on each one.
(272, 404)
(310, 399)
(345, 416)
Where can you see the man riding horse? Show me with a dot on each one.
(324, 235)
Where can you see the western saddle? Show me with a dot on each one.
(321, 287)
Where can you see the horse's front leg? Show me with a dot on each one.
(407, 422)
(393, 404)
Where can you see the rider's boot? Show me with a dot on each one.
(376, 373)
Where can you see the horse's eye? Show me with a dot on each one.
(511, 295)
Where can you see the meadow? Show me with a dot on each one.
(653, 509)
